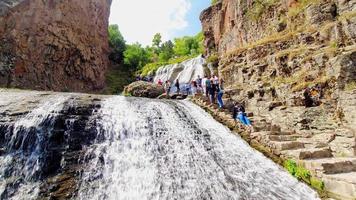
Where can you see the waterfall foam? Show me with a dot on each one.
(150, 149)
(185, 72)
(26, 142)
(78, 147)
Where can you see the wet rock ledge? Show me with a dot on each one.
(63, 135)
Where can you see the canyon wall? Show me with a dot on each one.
(269, 52)
(272, 51)
(54, 45)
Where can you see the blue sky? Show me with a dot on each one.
(139, 20)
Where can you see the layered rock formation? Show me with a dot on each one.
(54, 45)
(269, 53)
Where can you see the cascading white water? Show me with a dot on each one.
(185, 72)
(150, 149)
(26, 144)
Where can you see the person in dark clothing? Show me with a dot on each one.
(220, 93)
(239, 114)
(308, 101)
(177, 86)
(212, 90)
(207, 88)
(199, 81)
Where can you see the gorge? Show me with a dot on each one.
(64, 145)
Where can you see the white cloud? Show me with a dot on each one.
(139, 20)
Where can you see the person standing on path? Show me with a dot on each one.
(194, 87)
(203, 85)
(167, 88)
(220, 93)
(177, 86)
(199, 84)
(213, 90)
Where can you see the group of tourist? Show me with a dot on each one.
(213, 88)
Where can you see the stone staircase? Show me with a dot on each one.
(338, 173)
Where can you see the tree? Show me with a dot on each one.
(167, 51)
(181, 46)
(157, 39)
(189, 45)
(136, 56)
(117, 44)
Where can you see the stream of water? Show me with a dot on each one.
(185, 72)
(149, 149)
(174, 150)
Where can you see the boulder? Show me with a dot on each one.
(144, 89)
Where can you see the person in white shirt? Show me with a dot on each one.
(203, 84)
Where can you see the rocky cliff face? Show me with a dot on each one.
(54, 45)
(271, 51)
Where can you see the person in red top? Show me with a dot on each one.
(160, 82)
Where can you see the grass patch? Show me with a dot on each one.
(287, 80)
(259, 7)
(302, 85)
(347, 16)
(276, 37)
(300, 7)
(296, 81)
(350, 86)
(303, 174)
(291, 53)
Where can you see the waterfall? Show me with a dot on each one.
(185, 72)
(26, 143)
(89, 147)
(174, 150)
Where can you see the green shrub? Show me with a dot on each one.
(317, 184)
(303, 174)
(291, 166)
(213, 58)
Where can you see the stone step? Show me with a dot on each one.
(310, 153)
(288, 145)
(331, 165)
(283, 132)
(341, 186)
(259, 135)
(282, 138)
